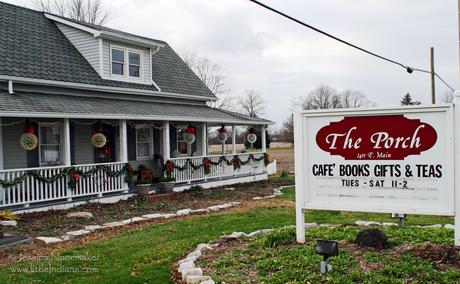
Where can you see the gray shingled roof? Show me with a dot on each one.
(52, 105)
(32, 46)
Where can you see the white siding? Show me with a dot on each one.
(82, 144)
(145, 55)
(14, 156)
(85, 43)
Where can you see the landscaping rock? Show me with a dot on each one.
(257, 198)
(235, 203)
(229, 188)
(214, 208)
(254, 234)
(265, 231)
(171, 215)
(183, 212)
(201, 247)
(113, 224)
(326, 225)
(65, 238)
(236, 235)
(186, 265)
(192, 258)
(9, 223)
(195, 253)
(210, 281)
(191, 272)
(449, 226)
(367, 223)
(270, 196)
(196, 279)
(93, 228)
(435, 226)
(133, 220)
(153, 216)
(199, 211)
(386, 224)
(48, 240)
(77, 233)
(311, 225)
(80, 214)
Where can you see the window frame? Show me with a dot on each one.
(126, 64)
(150, 143)
(40, 144)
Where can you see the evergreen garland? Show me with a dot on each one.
(73, 173)
(207, 163)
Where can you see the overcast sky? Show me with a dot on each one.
(262, 51)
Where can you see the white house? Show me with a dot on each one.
(79, 102)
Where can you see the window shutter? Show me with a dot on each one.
(173, 138)
(156, 141)
(131, 132)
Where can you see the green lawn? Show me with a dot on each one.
(146, 255)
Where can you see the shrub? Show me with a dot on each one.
(279, 237)
(8, 216)
(371, 238)
(284, 173)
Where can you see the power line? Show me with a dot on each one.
(408, 68)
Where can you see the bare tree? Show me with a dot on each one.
(448, 98)
(287, 131)
(326, 97)
(212, 76)
(89, 11)
(252, 103)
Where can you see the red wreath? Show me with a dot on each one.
(190, 130)
(169, 168)
(207, 166)
(30, 129)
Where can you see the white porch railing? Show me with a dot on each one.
(31, 190)
(217, 171)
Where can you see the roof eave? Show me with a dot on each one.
(99, 88)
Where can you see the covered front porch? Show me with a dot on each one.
(65, 166)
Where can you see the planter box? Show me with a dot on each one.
(167, 187)
(143, 189)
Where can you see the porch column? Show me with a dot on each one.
(264, 140)
(233, 139)
(1, 161)
(166, 142)
(123, 141)
(67, 158)
(204, 140)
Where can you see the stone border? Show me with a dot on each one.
(146, 217)
(193, 274)
(276, 192)
(183, 212)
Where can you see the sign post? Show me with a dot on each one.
(388, 160)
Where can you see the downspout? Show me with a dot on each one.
(10, 87)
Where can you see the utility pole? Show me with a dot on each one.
(433, 89)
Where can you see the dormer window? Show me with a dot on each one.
(126, 62)
(118, 61)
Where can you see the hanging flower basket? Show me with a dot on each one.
(222, 136)
(29, 140)
(189, 134)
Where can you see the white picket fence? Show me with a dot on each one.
(32, 191)
(217, 171)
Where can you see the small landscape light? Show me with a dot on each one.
(326, 249)
(399, 216)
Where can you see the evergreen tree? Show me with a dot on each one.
(407, 100)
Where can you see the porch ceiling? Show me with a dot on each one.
(22, 104)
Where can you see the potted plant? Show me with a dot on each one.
(143, 187)
(167, 184)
